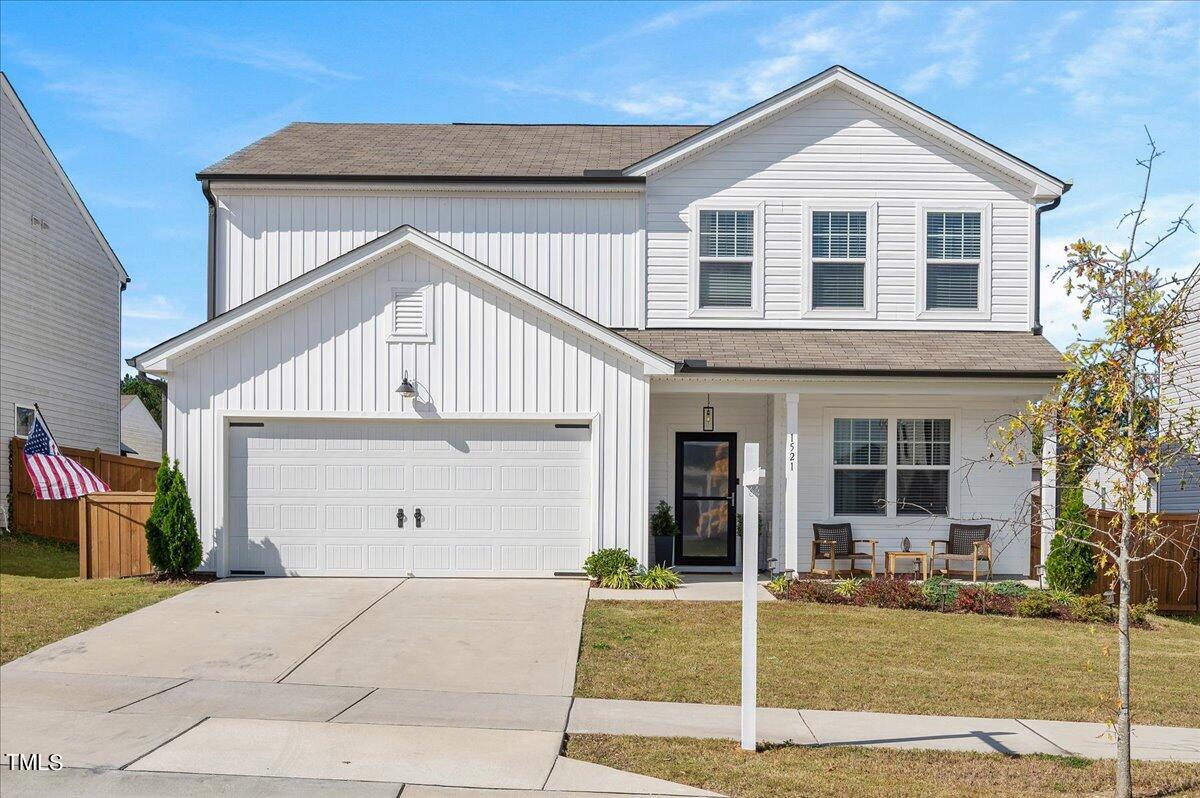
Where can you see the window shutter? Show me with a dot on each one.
(410, 313)
(952, 286)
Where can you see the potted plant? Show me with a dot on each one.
(664, 530)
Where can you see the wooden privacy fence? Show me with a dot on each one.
(60, 519)
(112, 539)
(1173, 578)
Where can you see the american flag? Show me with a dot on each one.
(54, 475)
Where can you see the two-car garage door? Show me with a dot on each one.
(435, 497)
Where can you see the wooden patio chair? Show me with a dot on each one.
(835, 542)
(968, 543)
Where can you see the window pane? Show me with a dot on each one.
(839, 234)
(726, 285)
(705, 468)
(859, 492)
(24, 421)
(838, 285)
(954, 286)
(922, 492)
(953, 236)
(923, 441)
(726, 234)
(860, 441)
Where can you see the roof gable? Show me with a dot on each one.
(158, 358)
(11, 94)
(1042, 184)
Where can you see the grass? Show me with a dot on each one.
(784, 771)
(42, 598)
(816, 656)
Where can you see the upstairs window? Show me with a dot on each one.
(839, 258)
(726, 259)
(953, 251)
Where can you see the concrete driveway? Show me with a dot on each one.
(346, 686)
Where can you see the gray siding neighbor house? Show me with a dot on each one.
(60, 299)
(1179, 488)
(140, 433)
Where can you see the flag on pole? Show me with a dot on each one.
(54, 475)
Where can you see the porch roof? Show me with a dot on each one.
(870, 352)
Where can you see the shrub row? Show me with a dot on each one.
(939, 594)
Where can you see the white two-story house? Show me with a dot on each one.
(491, 349)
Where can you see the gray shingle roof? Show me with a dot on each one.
(863, 351)
(308, 149)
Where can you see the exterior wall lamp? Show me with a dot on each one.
(710, 419)
(407, 390)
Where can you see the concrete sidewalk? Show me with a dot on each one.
(878, 729)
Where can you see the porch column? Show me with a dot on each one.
(791, 491)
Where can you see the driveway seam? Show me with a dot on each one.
(352, 704)
(152, 695)
(804, 720)
(170, 739)
(337, 632)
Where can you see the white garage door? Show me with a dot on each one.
(391, 498)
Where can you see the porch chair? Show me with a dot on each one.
(968, 543)
(835, 542)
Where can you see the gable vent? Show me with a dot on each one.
(410, 313)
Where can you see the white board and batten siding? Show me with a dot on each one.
(581, 250)
(490, 359)
(60, 300)
(836, 149)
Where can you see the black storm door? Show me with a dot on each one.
(705, 491)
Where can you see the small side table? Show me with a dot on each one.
(891, 558)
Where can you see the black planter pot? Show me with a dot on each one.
(664, 549)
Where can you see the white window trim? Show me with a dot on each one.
(870, 265)
(426, 292)
(984, 311)
(17, 407)
(756, 280)
(890, 517)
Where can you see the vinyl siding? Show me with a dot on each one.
(835, 148)
(139, 432)
(582, 251)
(1179, 488)
(489, 354)
(60, 304)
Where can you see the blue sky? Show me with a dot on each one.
(135, 99)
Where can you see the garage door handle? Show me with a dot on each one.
(400, 518)
(418, 517)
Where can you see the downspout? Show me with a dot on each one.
(1037, 259)
(212, 247)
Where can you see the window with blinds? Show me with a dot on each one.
(922, 466)
(953, 246)
(860, 458)
(726, 253)
(839, 258)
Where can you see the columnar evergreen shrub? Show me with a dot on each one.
(156, 544)
(1071, 563)
(176, 549)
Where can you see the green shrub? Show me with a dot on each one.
(940, 592)
(780, 584)
(847, 587)
(1071, 563)
(607, 562)
(659, 577)
(1010, 588)
(156, 544)
(1140, 614)
(622, 579)
(1038, 604)
(1090, 609)
(662, 522)
(172, 542)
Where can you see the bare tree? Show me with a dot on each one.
(1108, 415)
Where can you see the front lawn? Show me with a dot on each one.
(815, 656)
(815, 772)
(42, 598)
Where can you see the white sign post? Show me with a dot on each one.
(752, 477)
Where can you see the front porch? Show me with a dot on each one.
(894, 457)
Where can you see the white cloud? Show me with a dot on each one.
(278, 57)
(956, 43)
(153, 307)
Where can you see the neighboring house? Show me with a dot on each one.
(490, 349)
(60, 299)
(1179, 487)
(140, 434)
